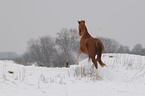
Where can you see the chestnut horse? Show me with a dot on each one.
(90, 46)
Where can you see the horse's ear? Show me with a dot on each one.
(83, 21)
(79, 22)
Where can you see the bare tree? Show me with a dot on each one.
(137, 49)
(68, 44)
(41, 51)
(123, 49)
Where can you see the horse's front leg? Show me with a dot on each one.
(78, 59)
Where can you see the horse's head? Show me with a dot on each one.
(81, 27)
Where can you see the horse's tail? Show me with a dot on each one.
(100, 48)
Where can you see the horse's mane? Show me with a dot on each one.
(86, 30)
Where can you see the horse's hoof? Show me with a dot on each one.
(103, 65)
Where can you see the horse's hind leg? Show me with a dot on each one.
(100, 49)
(96, 65)
(99, 59)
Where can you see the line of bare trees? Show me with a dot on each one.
(55, 52)
(112, 46)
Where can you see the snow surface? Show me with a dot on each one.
(124, 75)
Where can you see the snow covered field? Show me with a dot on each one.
(123, 76)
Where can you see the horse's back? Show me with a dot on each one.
(94, 46)
(94, 42)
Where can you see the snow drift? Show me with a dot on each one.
(123, 75)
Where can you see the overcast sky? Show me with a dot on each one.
(21, 20)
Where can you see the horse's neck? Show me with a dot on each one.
(87, 33)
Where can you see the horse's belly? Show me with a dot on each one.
(84, 50)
